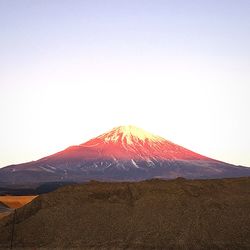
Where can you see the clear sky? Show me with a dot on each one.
(71, 70)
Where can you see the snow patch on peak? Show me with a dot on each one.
(130, 134)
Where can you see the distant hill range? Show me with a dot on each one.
(154, 214)
(125, 153)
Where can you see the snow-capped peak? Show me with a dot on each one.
(130, 142)
(131, 134)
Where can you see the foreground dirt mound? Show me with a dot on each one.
(177, 214)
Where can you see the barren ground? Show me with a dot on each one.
(155, 214)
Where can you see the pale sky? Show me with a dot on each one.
(71, 70)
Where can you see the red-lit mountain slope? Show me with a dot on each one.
(124, 153)
(126, 143)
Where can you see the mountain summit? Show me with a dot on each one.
(129, 134)
(128, 142)
(123, 153)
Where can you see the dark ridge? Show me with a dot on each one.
(31, 189)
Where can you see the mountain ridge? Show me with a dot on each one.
(124, 153)
(131, 141)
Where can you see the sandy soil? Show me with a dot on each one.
(16, 201)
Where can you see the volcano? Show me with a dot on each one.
(125, 153)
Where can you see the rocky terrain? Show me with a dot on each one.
(152, 214)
